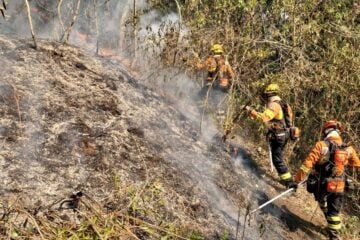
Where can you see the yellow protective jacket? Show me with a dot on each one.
(273, 115)
(320, 155)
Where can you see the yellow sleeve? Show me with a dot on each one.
(265, 116)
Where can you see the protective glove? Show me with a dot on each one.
(292, 184)
(248, 108)
(252, 112)
(208, 83)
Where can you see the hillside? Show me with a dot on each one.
(71, 122)
(107, 138)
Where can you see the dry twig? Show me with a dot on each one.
(16, 97)
(3, 8)
(33, 220)
(66, 36)
(96, 27)
(59, 15)
(30, 23)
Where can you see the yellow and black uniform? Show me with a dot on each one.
(327, 178)
(273, 117)
(219, 71)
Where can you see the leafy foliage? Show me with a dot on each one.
(310, 48)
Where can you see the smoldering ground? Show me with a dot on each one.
(170, 122)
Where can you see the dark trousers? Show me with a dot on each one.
(277, 144)
(330, 204)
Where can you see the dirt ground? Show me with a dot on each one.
(72, 122)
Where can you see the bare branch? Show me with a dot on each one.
(96, 27)
(59, 15)
(68, 31)
(30, 23)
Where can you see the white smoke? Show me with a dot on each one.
(184, 92)
(144, 44)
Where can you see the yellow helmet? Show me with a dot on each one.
(217, 48)
(272, 88)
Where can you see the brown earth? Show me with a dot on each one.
(72, 122)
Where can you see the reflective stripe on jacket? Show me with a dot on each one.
(320, 155)
(273, 112)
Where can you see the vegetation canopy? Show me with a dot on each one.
(310, 48)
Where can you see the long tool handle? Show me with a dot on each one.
(275, 198)
(270, 201)
(270, 157)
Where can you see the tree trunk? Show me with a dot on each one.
(30, 23)
(68, 30)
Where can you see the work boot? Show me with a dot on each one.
(323, 206)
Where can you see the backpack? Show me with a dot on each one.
(213, 64)
(338, 159)
(331, 175)
(335, 167)
(294, 132)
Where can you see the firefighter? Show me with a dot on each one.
(326, 165)
(274, 119)
(219, 71)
